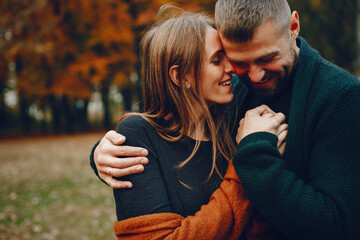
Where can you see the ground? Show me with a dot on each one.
(49, 191)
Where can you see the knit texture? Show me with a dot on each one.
(226, 216)
(313, 191)
(160, 207)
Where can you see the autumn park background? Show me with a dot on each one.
(68, 70)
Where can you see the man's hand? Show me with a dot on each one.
(262, 119)
(109, 165)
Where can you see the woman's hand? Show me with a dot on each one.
(109, 165)
(263, 119)
(282, 134)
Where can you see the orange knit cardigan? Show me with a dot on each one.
(228, 215)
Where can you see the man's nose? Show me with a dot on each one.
(256, 73)
(229, 68)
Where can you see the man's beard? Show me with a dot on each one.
(282, 83)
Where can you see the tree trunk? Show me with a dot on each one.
(43, 124)
(69, 119)
(3, 118)
(127, 97)
(55, 114)
(3, 78)
(106, 106)
(24, 113)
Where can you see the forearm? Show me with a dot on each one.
(300, 209)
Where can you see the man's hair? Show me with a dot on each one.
(237, 20)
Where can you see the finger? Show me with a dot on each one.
(281, 128)
(117, 184)
(282, 137)
(267, 114)
(130, 151)
(279, 117)
(125, 162)
(122, 150)
(116, 164)
(239, 133)
(241, 122)
(281, 148)
(117, 172)
(262, 109)
(259, 111)
(114, 137)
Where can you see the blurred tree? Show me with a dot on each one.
(13, 23)
(3, 78)
(66, 50)
(331, 27)
(104, 42)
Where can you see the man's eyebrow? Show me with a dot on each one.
(235, 61)
(272, 54)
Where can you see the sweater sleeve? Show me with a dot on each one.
(226, 216)
(325, 205)
(92, 162)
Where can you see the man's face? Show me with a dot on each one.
(265, 62)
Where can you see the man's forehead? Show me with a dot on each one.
(266, 38)
(247, 52)
(252, 49)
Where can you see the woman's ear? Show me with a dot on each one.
(294, 25)
(174, 75)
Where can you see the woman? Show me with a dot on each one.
(186, 80)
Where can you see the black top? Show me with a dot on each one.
(159, 189)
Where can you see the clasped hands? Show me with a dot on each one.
(263, 119)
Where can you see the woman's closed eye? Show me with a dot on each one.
(218, 58)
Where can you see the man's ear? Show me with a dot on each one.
(294, 25)
(174, 75)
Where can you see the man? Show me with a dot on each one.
(313, 191)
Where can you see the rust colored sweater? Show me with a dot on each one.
(228, 215)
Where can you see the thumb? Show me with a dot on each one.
(263, 109)
(114, 137)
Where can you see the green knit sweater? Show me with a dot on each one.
(313, 191)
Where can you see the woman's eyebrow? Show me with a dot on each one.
(221, 51)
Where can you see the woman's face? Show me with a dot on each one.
(215, 76)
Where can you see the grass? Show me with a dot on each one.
(49, 191)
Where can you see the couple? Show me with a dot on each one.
(310, 190)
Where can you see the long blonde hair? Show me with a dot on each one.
(179, 41)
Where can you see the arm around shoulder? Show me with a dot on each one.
(106, 164)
